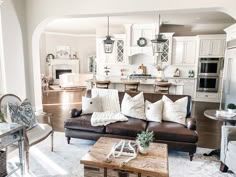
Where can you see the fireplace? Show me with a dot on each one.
(61, 66)
(62, 71)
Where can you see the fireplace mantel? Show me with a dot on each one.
(62, 64)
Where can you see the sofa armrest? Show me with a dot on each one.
(228, 133)
(75, 112)
(191, 123)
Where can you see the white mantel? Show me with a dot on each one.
(57, 64)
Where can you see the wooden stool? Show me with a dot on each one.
(131, 86)
(102, 84)
(162, 87)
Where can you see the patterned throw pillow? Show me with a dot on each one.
(23, 114)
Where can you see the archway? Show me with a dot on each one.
(36, 52)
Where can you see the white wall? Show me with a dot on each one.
(43, 54)
(12, 18)
(84, 46)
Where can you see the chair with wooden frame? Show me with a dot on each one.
(103, 84)
(35, 134)
(162, 87)
(131, 86)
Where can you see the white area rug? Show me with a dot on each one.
(65, 160)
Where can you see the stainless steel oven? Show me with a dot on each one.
(209, 66)
(207, 83)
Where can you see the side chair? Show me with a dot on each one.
(34, 135)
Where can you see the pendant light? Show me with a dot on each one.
(108, 43)
(159, 42)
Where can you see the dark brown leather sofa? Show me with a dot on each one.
(177, 136)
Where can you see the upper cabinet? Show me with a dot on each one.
(184, 50)
(136, 31)
(118, 55)
(147, 31)
(212, 45)
(231, 32)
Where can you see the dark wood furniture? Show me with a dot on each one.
(178, 137)
(102, 84)
(131, 86)
(162, 87)
(154, 164)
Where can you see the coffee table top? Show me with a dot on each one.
(154, 163)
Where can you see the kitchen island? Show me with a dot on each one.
(146, 85)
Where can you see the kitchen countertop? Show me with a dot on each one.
(118, 80)
(181, 77)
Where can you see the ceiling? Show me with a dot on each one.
(216, 21)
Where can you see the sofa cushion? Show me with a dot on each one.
(83, 123)
(90, 105)
(175, 111)
(153, 111)
(172, 132)
(133, 106)
(130, 128)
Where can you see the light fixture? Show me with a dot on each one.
(159, 42)
(108, 43)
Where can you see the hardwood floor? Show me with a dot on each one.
(61, 102)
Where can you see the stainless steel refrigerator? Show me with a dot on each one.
(229, 75)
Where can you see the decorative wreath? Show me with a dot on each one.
(142, 42)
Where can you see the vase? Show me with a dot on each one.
(143, 150)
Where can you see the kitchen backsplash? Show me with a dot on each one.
(115, 70)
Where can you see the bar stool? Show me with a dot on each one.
(131, 86)
(103, 84)
(162, 87)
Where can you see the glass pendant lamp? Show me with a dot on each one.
(108, 42)
(159, 42)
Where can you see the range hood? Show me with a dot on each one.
(140, 50)
(231, 44)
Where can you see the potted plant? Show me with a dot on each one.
(2, 119)
(231, 107)
(143, 140)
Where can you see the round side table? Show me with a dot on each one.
(211, 114)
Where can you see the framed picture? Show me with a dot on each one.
(63, 52)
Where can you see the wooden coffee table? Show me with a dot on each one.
(154, 164)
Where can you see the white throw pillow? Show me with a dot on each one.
(133, 107)
(109, 99)
(175, 111)
(90, 105)
(153, 111)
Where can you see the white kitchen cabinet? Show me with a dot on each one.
(188, 85)
(146, 31)
(184, 50)
(212, 46)
(207, 97)
(231, 32)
